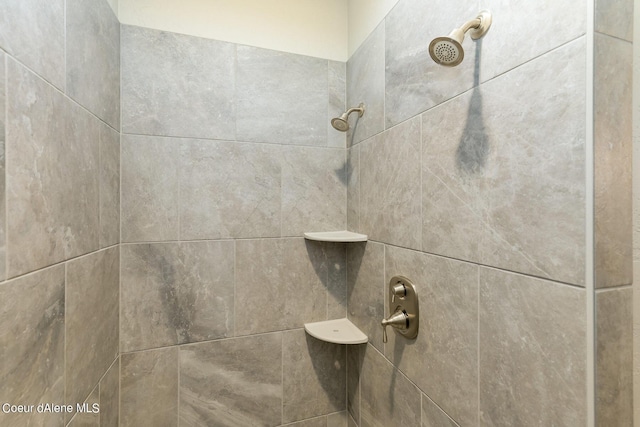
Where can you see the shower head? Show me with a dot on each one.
(342, 123)
(448, 50)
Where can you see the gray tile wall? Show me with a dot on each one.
(59, 176)
(486, 212)
(613, 211)
(227, 159)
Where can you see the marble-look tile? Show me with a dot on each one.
(339, 419)
(366, 289)
(442, 360)
(352, 422)
(150, 188)
(91, 320)
(510, 174)
(365, 83)
(149, 388)
(175, 293)
(453, 159)
(87, 419)
(93, 58)
(353, 188)
(388, 397)
(314, 190)
(3, 237)
(110, 396)
(355, 355)
(177, 85)
(613, 146)
(336, 255)
(532, 351)
(33, 32)
(414, 82)
(291, 274)
(615, 18)
(229, 190)
(109, 186)
(432, 416)
(337, 102)
(232, 382)
(390, 199)
(521, 33)
(282, 97)
(314, 380)
(32, 345)
(52, 175)
(614, 357)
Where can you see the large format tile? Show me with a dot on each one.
(499, 182)
(149, 388)
(282, 97)
(353, 188)
(229, 190)
(33, 32)
(314, 190)
(314, 380)
(93, 58)
(3, 237)
(87, 419)
(32, 345)
(150, 188)
(614, 357)
(532, 351)
(110, 396)
(390, 199)
(432, 416)
(388, 397)
(366, 289)
(291, 274)
(232, 382)
(365, 83)
(442, 360)
(613, 142)
(337, 102)
(336, 259)
(177, 85)
(414, 83)
(92, 321)
(109, 186)
(175, 293)
(339, 419)
(355, 355)
(615, 18)
(521, 33)
(52, 170)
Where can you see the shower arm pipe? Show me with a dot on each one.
(473, 23)
(359, 109)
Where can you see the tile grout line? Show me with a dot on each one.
(5, 65)
(478, 344)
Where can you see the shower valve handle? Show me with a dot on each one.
(398, 320)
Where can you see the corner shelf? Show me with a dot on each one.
(336, 236)
(337, 331)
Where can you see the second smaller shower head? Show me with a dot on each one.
(342, 123)
(448, 50)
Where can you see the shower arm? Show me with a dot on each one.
(359, 109)
(474, 23)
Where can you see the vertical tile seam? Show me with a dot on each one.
(478, 344)
(178, 392)
(64, 47)
(589, 217)
(6, 164)
(282, 377)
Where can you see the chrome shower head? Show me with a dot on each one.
(448, 50)
(342, 123)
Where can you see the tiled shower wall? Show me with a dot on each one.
(471, 182)
(227, 158)
(59, 208)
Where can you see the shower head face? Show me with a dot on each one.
(340, 123)
(446, 51)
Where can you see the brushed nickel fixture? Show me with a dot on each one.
(342, 123)
(448, 50)
(403, 306)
